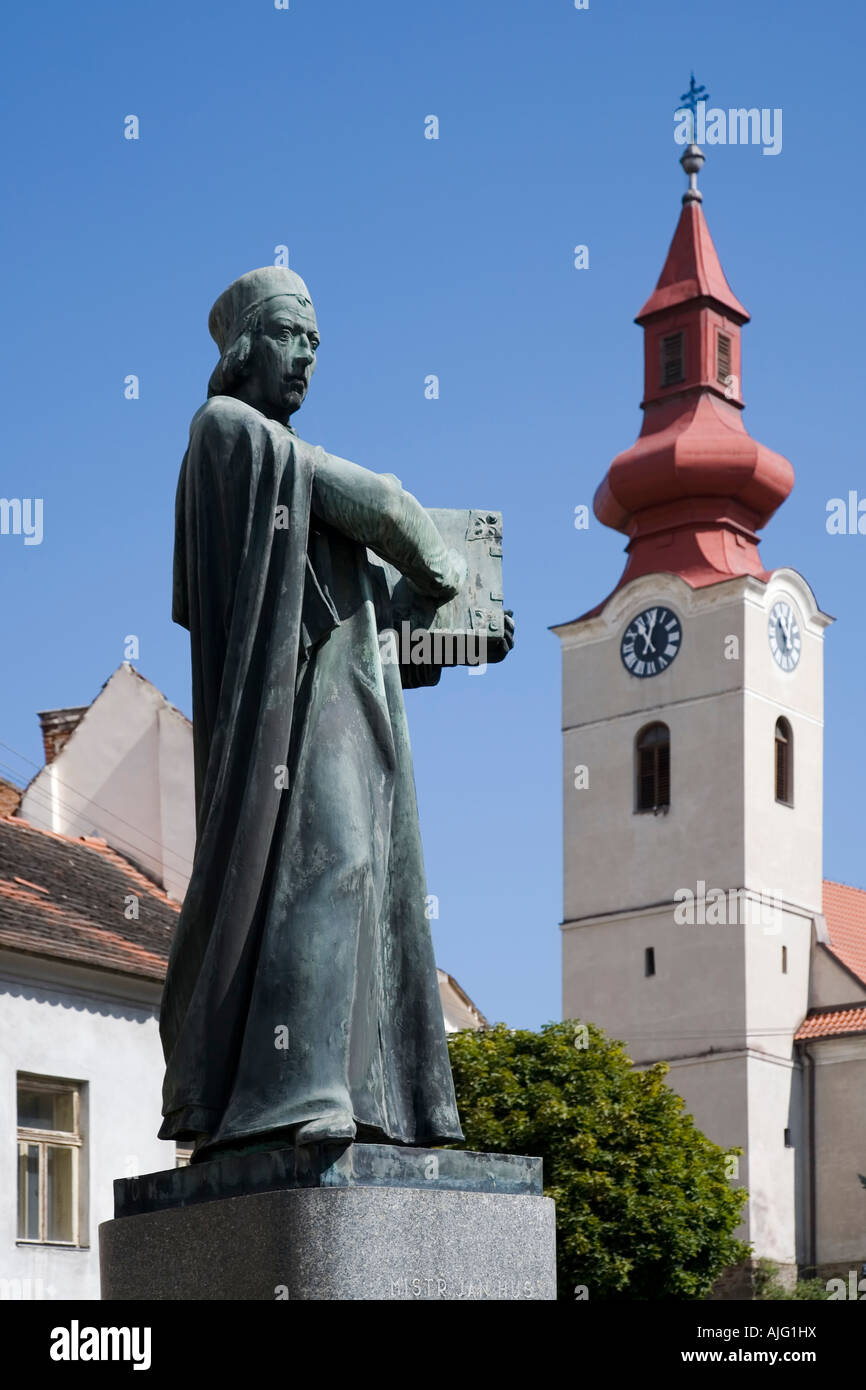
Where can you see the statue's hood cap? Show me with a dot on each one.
(247, 293)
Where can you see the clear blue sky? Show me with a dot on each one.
(306, 127)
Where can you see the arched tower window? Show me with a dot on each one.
(653, 768)
(784, 755)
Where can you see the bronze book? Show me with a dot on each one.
(470, 630)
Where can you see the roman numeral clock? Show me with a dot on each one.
(783, 631)
(651, 642)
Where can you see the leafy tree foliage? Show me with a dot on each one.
(768, 1287)
(644, 1209)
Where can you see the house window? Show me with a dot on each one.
(653, 768)
(673, 363)
(784, 960)
(49, 1153)
(649, 961)
(784, 754)
(723, 358)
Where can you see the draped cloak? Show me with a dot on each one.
(301, 978)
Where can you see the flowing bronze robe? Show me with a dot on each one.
(301, 978)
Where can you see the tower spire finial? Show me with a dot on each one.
(693, 158)
(692, 161)
(695, 489)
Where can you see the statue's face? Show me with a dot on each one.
(283, 357)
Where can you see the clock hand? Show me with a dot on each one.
(785, 629)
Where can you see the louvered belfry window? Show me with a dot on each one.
(653, 767)
(784, 752)
(723, 358)
(673, 363)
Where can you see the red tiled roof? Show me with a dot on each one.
(829, 1023)
(845, 913)
(65, 898)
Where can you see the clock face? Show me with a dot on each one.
(783, 631)
(651, 642)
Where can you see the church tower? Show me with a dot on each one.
(692, 753)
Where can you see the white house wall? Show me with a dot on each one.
(126, 775)
(840, 1149)
(78, 1032)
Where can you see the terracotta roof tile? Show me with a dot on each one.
(65, 898)
(845, 913)
(833, 1023)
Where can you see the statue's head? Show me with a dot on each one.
(264, 325)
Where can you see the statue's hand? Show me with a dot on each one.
(450, 572)
(499, 647)
(455, 573)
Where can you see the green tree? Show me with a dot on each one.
(644, 1209)
(768, 1286)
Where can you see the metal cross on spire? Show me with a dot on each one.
(693, 157)
(689, 101)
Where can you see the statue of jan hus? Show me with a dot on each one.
(301, 1002)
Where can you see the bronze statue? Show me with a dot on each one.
(301, 1003)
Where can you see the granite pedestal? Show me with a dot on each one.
(359, 1221)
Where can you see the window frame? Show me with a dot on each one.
(45, 1139)
(723, 375)
(658, 807)
(664, 339)
(786, 742)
